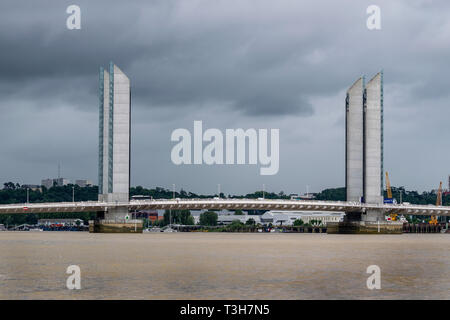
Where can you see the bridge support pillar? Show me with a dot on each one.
(118, 213)
(115, 220)
(352, 216)
(373, 215)
(369, 222)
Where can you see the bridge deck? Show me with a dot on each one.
(219, 204)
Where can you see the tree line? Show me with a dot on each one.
(413, 197)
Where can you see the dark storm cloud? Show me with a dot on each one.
(273, 104)
(258, 56)
(178, 53)
(281, 64)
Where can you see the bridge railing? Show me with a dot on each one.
(114, 221)
(243, 199)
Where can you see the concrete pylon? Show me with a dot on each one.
(373, 146)
(373, 140)
(354, 121)
(114, 147)
(364, 158)
(114, 135)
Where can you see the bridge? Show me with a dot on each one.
(223, 203)
(363, 177)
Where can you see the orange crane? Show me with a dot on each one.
(388, 186)
(389, 196)
(433, 220)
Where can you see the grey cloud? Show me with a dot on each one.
(282, 64)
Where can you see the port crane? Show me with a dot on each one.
(389, 198)
(433, 220)
(388, 187)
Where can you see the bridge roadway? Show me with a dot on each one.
(244, 204)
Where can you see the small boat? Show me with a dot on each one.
(154, 229)
(35, 230)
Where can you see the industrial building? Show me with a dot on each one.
(287, 218)
(61, 222)
(228, 219)
(82, 183)
(32, 187)
(58, 182)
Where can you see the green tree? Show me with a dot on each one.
(250, 222)
(238, 212)
(208, 218)
(298, 222)
(335, 194)
(9, 186)
(315, 222)
(178, 217)
(190, 221)
(235, 225)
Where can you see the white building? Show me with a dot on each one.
(196, 219)
(59, 182)
(228, 219)
(287, 218)
(64, 222)
(83, 183)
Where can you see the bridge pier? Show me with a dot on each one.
(373, 215)
(115, 221)
(364, 159)
(369, 222)
(115, 226)
(352, 216)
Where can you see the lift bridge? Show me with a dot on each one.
(364, 150)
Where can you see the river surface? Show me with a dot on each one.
(223, 265)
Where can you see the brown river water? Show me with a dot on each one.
(223, 265)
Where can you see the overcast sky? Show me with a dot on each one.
(232, 64)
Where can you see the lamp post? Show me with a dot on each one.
(170, 210)
(73, 194)
(218, 189)
(28, 195)
(264, 189)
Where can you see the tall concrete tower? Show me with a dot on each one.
(114, 138)
(364, 160)
(373, 140)
(364, 143)
(354, 122)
